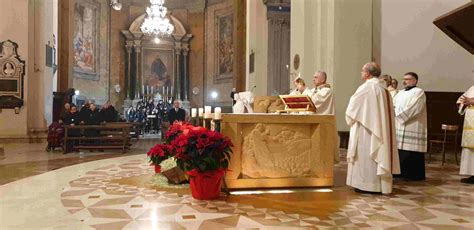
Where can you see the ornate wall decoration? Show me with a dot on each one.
(12, 72)
(156, 64)
(276, 151)
(86, 45)
(220, 45)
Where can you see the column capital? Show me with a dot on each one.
(129, 46)
(137, 44)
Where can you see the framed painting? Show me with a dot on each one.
(158, 67)
(86, 39)
(224, 45)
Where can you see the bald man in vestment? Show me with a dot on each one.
(372, 155)
(466, 107)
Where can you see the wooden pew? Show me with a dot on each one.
(112, 136)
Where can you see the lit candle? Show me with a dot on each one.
(201, 112)
(217, 113)
(193, 112)
(207, 111)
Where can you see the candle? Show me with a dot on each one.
(193, 112)
(147, 89)
(217, 113)
(201, 111)
(207, 111)
(143, 89)
(163, 92)
(151, 89)
(171, 90)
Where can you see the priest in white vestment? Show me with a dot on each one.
(323, 98)
(322, 95)
(372, 155)
(466, 107)
(411, 127)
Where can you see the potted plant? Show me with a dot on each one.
(203, 154)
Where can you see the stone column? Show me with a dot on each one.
(177, 85)
(138, 78)
(128, 77)
(185, 72)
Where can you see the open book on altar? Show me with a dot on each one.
(297, 103)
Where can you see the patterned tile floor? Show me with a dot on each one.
(117, 193)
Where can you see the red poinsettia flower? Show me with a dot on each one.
(194, 148)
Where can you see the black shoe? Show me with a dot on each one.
(469, 180)
(365, 192)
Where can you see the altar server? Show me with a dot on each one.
(322, 95)
(466, 107)
(411, 127)
(301, 88)
(372, 155)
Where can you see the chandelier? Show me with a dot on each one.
(156, 23)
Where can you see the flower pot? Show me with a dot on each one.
(205, 185)
(157, 168)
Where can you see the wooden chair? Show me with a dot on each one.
(446, 128)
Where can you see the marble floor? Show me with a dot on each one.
(111, 190)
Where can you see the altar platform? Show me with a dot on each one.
(286, 150)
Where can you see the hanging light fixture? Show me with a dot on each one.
(156, 23)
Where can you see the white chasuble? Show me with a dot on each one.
(467, 143)
(372, 154)
(323, 99)
(410, 120)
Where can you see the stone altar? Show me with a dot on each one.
(287, 150)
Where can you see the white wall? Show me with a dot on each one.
(14, 26)
(333, 36)
(30, 24)
(257, 40)
(411, 42)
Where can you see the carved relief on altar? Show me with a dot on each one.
(12, 71)
(267, 104)
(276, 151)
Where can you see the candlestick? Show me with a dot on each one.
(217, 113)
(217, 125)
(207, 123)
(193, 112)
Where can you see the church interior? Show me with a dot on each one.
(113, 111)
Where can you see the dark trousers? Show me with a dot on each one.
(412, 164)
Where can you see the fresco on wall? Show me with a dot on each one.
(225, 45)
(158, 67)
(86, 27)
